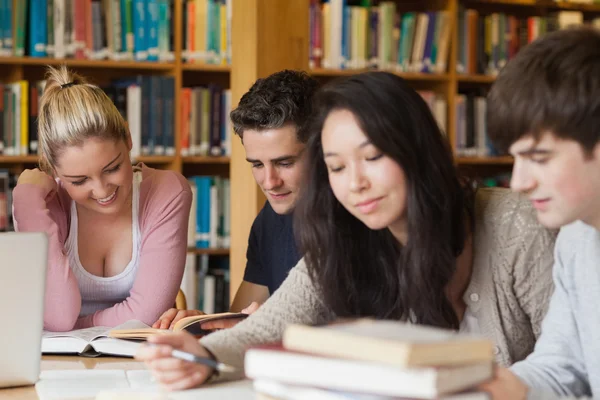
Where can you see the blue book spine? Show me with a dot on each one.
(427, 66)
(123, 5)
(2, 11)
(203, 212)
(168, 92)
(139, 29)
(346, 20)
(8, 26)
(152, 21)
(154, 126)
(216, 32)
(38, 28)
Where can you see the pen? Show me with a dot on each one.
(219, 366)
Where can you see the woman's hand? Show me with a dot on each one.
(38, 178)
(228, 323)
(168, 319)
(173, 373)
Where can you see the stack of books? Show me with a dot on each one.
(368, 359)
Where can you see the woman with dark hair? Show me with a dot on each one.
(389, 231)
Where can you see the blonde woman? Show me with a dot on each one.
(117, 233)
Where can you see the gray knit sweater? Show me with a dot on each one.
(510, 287)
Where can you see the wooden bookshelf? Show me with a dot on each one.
(206, 67)
(485, 79)
(206, 160)
(268, 36)
(506, 160)
(18, 159)
(324, 72)
(96, 64)
(544, 5)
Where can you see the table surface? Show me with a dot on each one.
(238, 390)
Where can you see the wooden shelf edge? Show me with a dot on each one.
(18, 159)
(212, 252)
(206, 160)
(206, 67)
(112, 64)
(34, 159)
(153, 159)
(503, 160)
(415, 76)
(550, 4)
(477, 78)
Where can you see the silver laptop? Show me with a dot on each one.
(23, 258)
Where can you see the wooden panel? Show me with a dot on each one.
(269, 35)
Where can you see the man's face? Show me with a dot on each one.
(277, 161)
(561, 180)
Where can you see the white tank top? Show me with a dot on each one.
(99, 293)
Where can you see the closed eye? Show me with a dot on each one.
(377, 157)
(335, 169)
(115, 169)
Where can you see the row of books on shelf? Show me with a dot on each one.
(88, 29)
(205, 124)
(147, 102)
(369, 359)
(487, 42)
(354, 34)
(207, 31)
(205, 283)
(210, 213)
(471, 138)
(140, 30)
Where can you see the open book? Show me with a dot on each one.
(191, 324)
(90, 341)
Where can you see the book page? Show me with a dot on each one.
(89, 334)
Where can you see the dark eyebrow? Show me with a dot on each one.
(278, 159)
(534, 151)
(107, 165)
(363, 144)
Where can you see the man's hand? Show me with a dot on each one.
(505, 385)
(38, 178)
(173, 373)
(168, 319)
(228, 323)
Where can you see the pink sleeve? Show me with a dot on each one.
(162, 261)
(31, 213)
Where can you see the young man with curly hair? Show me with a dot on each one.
(271, 121)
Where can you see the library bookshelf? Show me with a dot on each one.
(268, 36)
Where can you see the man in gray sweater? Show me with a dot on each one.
(545, 109)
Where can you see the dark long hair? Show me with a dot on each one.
(364, 272)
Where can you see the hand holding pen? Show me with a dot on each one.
(165, 359)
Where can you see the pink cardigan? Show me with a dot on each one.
(165, 201)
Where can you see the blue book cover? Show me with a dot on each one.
(346, 34)
(203, 184)
(139, 29)
(37, 28)
(168, 93)
(152, 21)
(427, 66)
